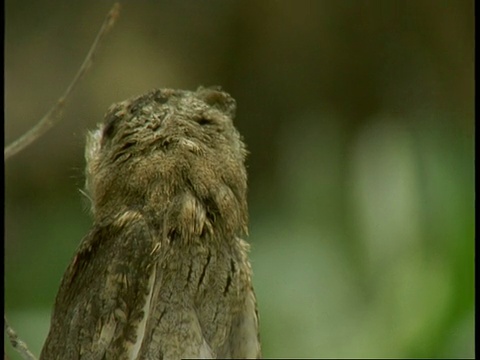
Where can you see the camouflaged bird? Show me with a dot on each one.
(163, 273)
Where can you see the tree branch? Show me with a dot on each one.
(46, 122)
(17, 343)
(54, 114)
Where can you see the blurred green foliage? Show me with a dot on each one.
(359, 117)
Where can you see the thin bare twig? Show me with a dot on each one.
(18, 344)
(54, 114)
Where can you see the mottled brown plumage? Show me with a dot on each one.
(163, 274)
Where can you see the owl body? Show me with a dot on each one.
(164, 273)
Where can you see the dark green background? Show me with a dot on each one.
(359, 118)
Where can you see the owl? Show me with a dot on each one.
(164, 271)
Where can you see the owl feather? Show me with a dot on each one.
(164, 271)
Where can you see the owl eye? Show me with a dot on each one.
(110, 126)
(108, 130)
(204, 121)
